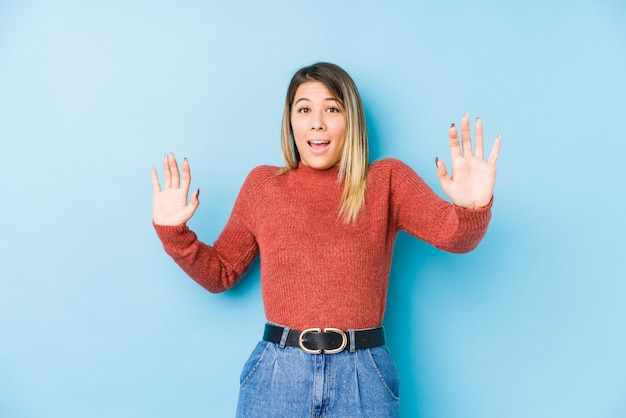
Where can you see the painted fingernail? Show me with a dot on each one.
(477, 118)
(452, 125)
(198, 192)
(437, 162)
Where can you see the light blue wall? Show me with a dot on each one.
(95, 319)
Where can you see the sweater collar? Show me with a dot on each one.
(306, 172)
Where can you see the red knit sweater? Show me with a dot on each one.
(316, 271)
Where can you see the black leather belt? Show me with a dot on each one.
(327, 340)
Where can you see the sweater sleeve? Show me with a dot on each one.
(418, 210)
(217, 267)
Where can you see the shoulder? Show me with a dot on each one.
(262, 174)
(394, 174)
(387, 164)
(264, 171)
(261, 179)
(387, 167)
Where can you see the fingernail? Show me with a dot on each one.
(452, 125)
(198, 192)
(465, 115)
(477, 118)
(437, 162)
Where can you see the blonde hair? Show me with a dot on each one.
(354, 162)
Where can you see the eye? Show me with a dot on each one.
(303, 110)
(333, 109)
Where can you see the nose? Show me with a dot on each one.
(317, 121)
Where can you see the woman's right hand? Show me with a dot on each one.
(169, 205)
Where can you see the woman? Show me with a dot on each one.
(324, 226)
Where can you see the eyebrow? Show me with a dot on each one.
(304, 98)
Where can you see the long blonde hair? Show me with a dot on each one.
(354, 162)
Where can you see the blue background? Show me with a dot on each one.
(96, 320)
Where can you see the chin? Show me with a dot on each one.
(320, 165)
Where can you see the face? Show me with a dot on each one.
(318, 123)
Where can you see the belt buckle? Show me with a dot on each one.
(344, 341)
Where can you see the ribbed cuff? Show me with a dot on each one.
(478, 218)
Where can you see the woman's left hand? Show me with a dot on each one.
(473, 179)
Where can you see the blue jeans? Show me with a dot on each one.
(287, 382)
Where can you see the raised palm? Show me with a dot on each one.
(169, 204)
(473, 179)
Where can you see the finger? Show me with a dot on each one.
(186, 175)
(442, 171)
(167, 175)
(193, 204)
(195, 198)
(174, 170)
(495, 151)
(478, 136)
(465, 135)
(455, 147)
(156, 187)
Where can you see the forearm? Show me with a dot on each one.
(200, 261)
(463, 229)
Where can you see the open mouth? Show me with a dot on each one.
(318, 144)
